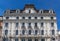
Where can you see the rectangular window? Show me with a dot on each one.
(29, 32)
(17, 24)
(23, 17)
(53, 32)
(23, 25)
(41, 17)
(35, 24)
(16, 39)
(29, 25)
(35, 17)
(51, 17)
(42, 32)
(5, 39)
(6, 32)
(42, 24)
(16, 32)
(52, 39)
(17, 17)
(23, 39)
(52, 24)
(36, 32)
(29, 17)
(6, 24)
(42, 39)
(7, 17)
(29, 39)
(23, 32)
(36, 39)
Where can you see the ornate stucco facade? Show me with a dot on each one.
(29, 24)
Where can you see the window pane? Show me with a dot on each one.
(42, 24)
(51, 17)
(16, 39)
(41, 17)
(6, 24)
(42, 32)
(23, 32)
(29, 32)
(17, 17)
(42, 39)
(36, 39)
(23, 39)
(29, 17)
(52, 24)
(17, 24)
(35, 17)
(23, 17)
(7, 17)
(29, 39)
(53, 32)
(5, 39)
(35, 24)
(6, 32)
(16, 32)
(36, 32)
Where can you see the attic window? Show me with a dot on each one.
(45, 11)
(13, 11)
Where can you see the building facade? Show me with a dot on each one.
(58, 35)
(29, 24)
(1, 21)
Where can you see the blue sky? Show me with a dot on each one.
(39, 4)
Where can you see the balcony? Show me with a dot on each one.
(36, 27)
(27, 35)
(29, 27)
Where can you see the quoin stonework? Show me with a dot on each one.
(29, 24)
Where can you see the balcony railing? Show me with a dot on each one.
(27, 35)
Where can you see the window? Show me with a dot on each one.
(35, 24)
(42, 32)
(17, 24)
(42, 24)
(23, 17)
(17, 17)
(7, 17)
(23, 25)
(6, 24)
(53, 39)
(51, 17)
(42, 39)
(16, 32)
(35, 17)
(23, 39)
(53, 32)
(23, 32)
(29, 32)
(36, 39)
(16, 39)
(6, 32)
(36, 32)
(52, 24)
(29, 39)
(29, 25)
(41, 17)
(5, 39)
(29, 17)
